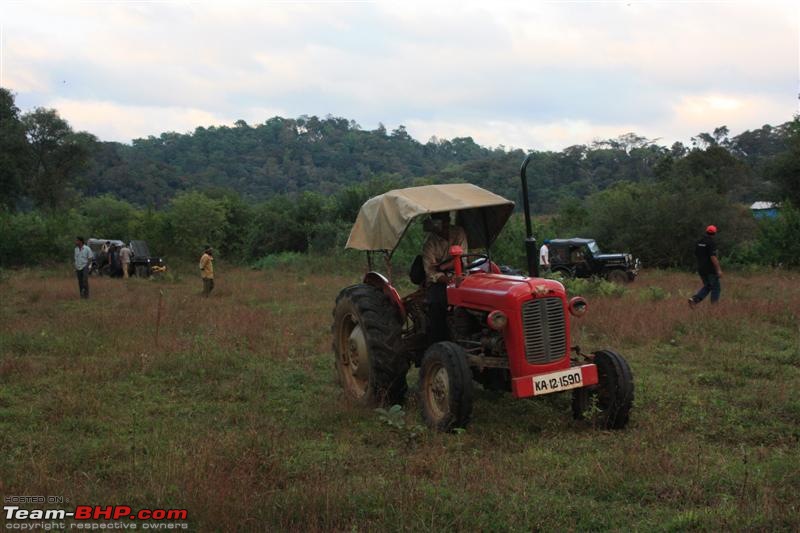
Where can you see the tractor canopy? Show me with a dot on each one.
(384, 219)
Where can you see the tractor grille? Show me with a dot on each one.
(545, 330)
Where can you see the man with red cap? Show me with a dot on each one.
(708, 268)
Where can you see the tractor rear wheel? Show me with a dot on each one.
(445, 387)
(608, 403)
(366, 334)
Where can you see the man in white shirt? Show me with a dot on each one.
(83, 258)
(544, 257)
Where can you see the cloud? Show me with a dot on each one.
(554, 135)
(695, 113)
(115, 122)
(549, 72)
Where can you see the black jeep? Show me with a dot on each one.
(582, 258)
(143, 263)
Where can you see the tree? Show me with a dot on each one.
(14, 150)
(713, 168)
(785, 168)
(237, 220)
(659, 223)
(778, 242)
(273, 229)
(57, 154)
(195, 221)
(109, 218)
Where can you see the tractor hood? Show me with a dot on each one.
(384, 219)
(498, 290)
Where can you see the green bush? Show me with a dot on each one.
(37, 237)
(653, 294)
(658, 221)
(509, 248)
(196, 220)
(328, 237)
(778, 241)
(110, 218)
(279, 260)
(590, 286)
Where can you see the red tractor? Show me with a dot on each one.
(506, 332)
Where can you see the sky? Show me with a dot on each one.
(529, 75)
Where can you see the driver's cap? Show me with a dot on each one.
(711, 230)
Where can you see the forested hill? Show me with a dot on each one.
(279, 156)
(324, 155)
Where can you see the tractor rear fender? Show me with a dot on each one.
(378, 280)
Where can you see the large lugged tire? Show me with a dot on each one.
(366, 334)
(445, 387)
(607, 404)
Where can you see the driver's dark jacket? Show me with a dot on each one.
(437, 250)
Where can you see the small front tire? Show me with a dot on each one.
(445, 387)
(607, 405)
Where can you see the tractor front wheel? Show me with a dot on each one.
(608, 403)
(366, 333)
(445, 387)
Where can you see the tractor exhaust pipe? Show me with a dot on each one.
(531, 250)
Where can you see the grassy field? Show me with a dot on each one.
(229, 409)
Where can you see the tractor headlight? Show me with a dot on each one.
(497, 320)
(578, 306)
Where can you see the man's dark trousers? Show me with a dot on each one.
(208, 286)
(437, 312)
(83, 281)
(710, 285)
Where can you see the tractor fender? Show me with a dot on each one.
(379, 281)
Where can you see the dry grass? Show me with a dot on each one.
(232, 412)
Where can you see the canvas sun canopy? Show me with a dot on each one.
(384, 219)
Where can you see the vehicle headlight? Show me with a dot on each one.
(497, 320)
(578, 306)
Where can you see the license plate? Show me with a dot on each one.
(557, 381)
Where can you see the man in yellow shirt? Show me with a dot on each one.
(207, 270)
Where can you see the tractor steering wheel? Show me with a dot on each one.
(477, 261)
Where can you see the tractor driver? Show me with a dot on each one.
(436, 260)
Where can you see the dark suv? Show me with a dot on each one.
(143, 263)
(582, 258)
